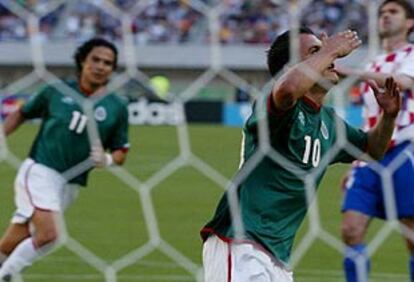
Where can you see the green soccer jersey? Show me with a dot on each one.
(272, 198)
(62, 141)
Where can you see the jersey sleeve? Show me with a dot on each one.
(354, 136)
(279, 119)
(407, 66)
(37, 105)
(119, 140)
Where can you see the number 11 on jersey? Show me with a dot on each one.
(78, 122)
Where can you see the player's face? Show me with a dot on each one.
(392, 20)
(309, 45)
(98, 66)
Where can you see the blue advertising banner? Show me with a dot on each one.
(354, 115)
(235, 114)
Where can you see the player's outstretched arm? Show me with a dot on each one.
(13, 121)
(404, 81)
(390, 102)
(296, 82)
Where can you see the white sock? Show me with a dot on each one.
(3, 257)
(24, 255)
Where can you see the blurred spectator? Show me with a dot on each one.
(180, 21)
(251, 21)
(331, 16)
(167, 21)
(11, 27)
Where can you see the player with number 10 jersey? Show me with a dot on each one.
(273, 196)
(305, 136)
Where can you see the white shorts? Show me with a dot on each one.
(231, 262)
(40, 187)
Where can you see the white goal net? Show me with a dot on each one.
(142, 234)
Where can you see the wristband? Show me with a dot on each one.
(109, 160)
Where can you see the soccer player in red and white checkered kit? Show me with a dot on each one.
(43, 186)
(364, 197)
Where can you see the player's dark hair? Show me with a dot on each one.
(82, 52)
(408, 8)
(279, 53)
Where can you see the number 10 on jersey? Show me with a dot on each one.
(314, 147)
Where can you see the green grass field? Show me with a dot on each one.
(109, 220)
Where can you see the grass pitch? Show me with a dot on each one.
(111, 219)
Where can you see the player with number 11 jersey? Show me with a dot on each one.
(64, 125)
(68, 145)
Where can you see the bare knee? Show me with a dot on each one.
(46, 231)
(408, 232)
(45, 237)
(410, 246)
(353, 228)
(351, 233)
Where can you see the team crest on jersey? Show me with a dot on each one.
(100, 113)
(324, 131)
(68, 100)
(301, 118)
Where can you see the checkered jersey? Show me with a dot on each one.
(400, 61)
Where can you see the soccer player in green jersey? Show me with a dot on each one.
(271, 196)
(62, 153)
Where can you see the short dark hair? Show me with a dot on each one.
(406, 5)
(82, 52)
(279, 53)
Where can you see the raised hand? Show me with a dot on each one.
(99, 157)
(344, 71)
(389, 98)
(342, 43)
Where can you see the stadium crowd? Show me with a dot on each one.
(180, 21)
